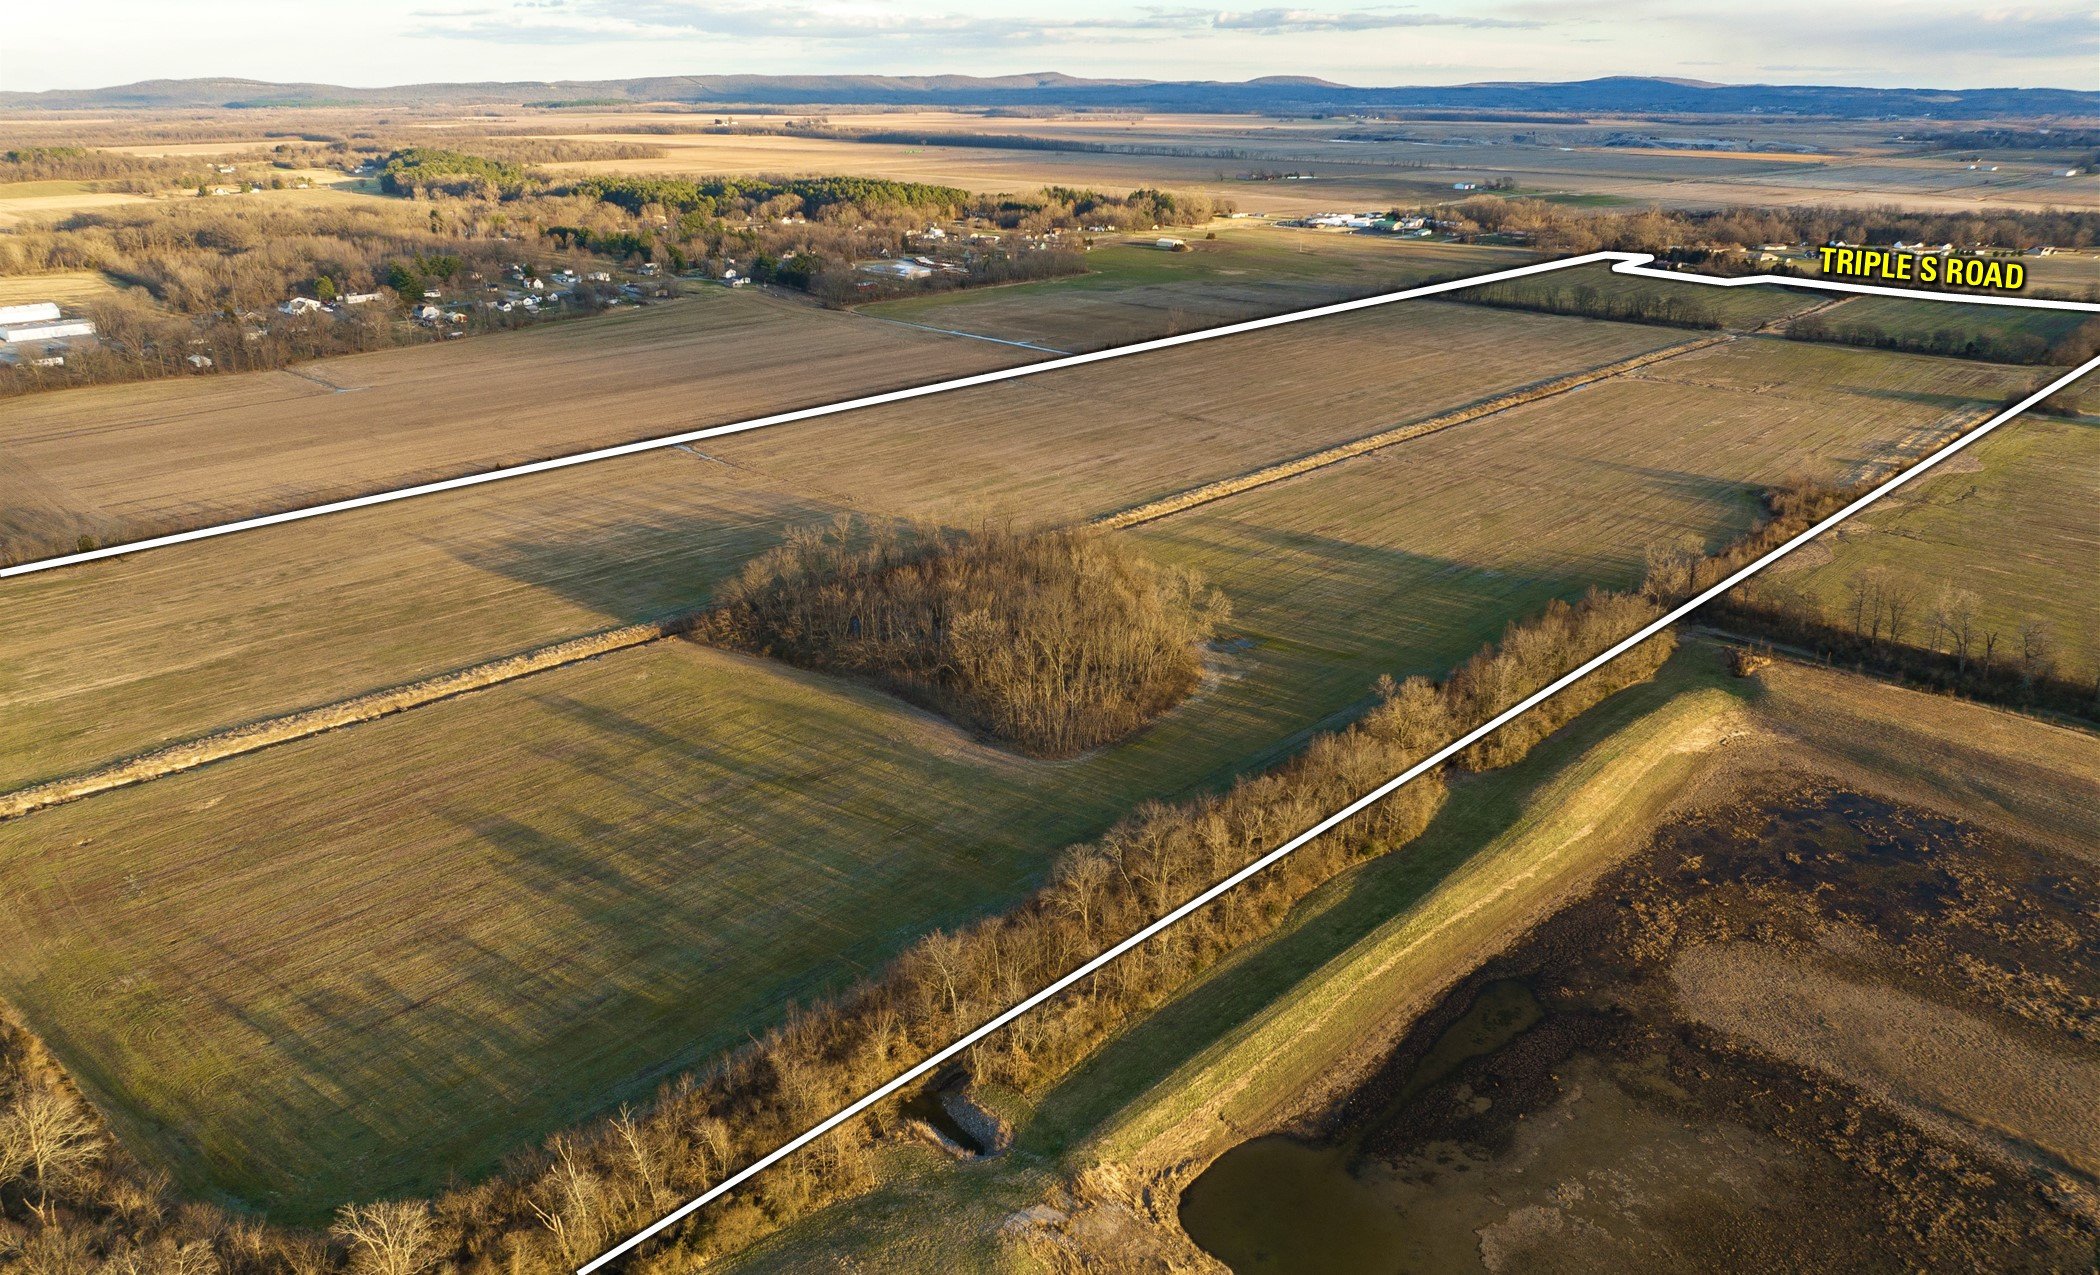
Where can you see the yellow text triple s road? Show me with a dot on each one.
(1911, 267)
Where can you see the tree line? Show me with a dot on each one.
(1884, 621)
(2069, 349)
(1568, 229)
(1660, 305)
(1054, 642)
(586, 1188)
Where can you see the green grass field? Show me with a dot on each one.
(1917, 322)
(2012, 522)
(588, 878)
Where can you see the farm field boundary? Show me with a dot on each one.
(939, 1057)
(254, 736)
(1629, 263)
(1153, 510)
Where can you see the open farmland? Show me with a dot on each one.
(1278, 1037)
(120, 462)
(473, 964)
(67, 287)
(2024, 336)
(49, 200)
(2011, 522)
(1133, 290)
(218, 633)
(1398, 162)
(1596, 290)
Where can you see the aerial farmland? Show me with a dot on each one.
(903, 834)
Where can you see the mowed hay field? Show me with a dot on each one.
(121, 462)
(1134, 290)
(586, 878)
(1337, 572)
(2012, 521)
(216, 633)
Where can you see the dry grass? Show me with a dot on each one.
(1133, 290)
(48, 200)
(123, 461)
(266, 623)
(590, 877)
(67, 287)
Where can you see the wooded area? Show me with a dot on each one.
(1053, 642)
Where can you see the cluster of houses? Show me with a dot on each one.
(39, 334)
(524, 290)
(1411, 225)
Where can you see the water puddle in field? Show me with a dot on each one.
(928, 1106)
(1279, 1206)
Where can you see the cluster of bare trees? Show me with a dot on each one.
(1055, 641)
(588, 1188)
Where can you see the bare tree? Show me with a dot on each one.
(388, 1237)
(1956, 613)
(2037, 655)
(49, 1134)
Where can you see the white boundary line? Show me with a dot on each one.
(1435, 759)
(1632, 263)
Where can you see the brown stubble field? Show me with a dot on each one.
(122, 462)
(567, 894)
(1199, 155)
(216, 633)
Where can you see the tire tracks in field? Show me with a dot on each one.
(306, 723)
(1224, 488)
(250, 737)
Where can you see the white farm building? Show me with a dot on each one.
(12, 316)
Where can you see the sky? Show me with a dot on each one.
(1882, 43)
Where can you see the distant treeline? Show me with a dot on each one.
(720, 196)
(1660, 305)
(1565, 229)
(107, 170)
(1054, 642)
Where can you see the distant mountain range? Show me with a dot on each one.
(1615, 95)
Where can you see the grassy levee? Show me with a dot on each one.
(1265, 1025)
(1373, 948)
(138, 653)
(2011, 522)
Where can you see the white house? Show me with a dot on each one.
(359, 298)
(198, 361)
(35, 312)
(300, 305)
